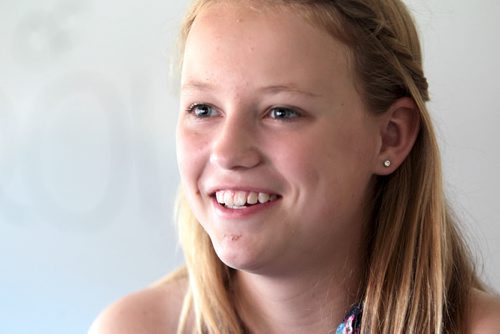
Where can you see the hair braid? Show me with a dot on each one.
(383, 28)
(406, 245)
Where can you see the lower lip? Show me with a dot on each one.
(243, 212)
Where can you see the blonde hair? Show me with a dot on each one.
(419, 273)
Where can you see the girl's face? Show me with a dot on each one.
(275, 148)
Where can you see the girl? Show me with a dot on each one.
(311, 197)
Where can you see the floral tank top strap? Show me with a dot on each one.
(352, 321)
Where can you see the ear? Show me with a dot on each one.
(399, 127)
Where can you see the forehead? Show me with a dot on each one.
(273, 14)
(276, 40)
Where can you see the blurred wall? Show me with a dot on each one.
(87, 155)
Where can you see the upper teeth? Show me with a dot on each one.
(235, 199)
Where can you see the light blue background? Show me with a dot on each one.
(87, 161)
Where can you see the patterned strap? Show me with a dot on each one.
(352, 321)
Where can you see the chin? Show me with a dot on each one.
(234, 253)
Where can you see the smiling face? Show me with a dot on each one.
(275, 148)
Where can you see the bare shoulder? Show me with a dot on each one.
(484, 313)
(155, 309)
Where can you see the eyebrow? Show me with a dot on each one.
(291, 88)
(272, 89)
(200, 85)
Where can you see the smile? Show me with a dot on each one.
(242, 199)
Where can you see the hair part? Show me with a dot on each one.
(419, 273)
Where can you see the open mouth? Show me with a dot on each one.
(243, 199)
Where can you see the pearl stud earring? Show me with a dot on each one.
(387, 163)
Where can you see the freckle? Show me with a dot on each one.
(233, 237)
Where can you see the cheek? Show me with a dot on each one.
(333, 162)
(311, 154)
(190, 156)
(189, 162)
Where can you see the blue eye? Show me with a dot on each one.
(283, 113)
(201, 110)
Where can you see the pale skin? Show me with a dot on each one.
(269, 104)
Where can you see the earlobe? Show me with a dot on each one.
(399, 127)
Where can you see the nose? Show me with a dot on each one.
(235, 145)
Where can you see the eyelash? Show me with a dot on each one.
(289, 118)
(291, 113)
(192, 110)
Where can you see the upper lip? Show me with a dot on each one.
(212, 190)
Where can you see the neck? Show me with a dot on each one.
(311, 301)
